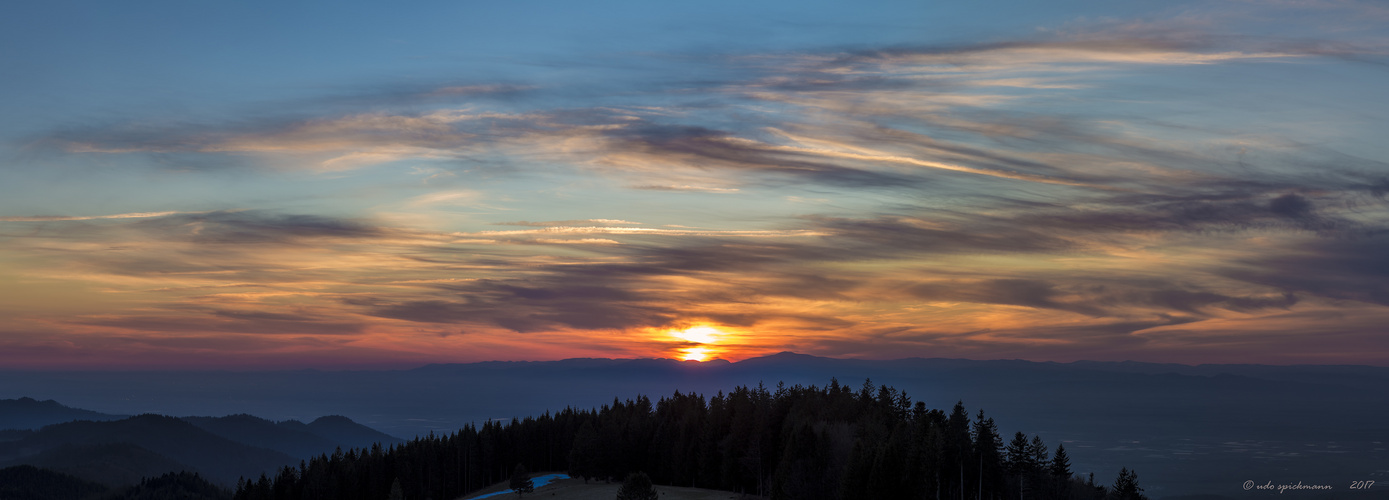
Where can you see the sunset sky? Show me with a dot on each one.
(342, 184)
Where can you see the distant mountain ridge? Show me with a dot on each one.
(122, 451)
(292, 440)
(292, 437)
(30, 413)
(165, 441)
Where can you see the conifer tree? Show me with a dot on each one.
(396, 492)
(1061, 463)
(583, 456)
(988, 449)
(1038, 449)
(521, 480)
(1019, 459)
(1126, 486)
(637, 486)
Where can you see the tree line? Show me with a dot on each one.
(813, 443)
(26, 482)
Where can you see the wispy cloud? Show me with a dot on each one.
(686, 187)
(58, 218)
(558, 230)
(554, 223)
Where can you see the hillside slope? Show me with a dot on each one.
(219, 459)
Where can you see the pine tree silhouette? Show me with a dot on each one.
(1126, 486)
(637, 486)
(521, 480)
(1061, 463)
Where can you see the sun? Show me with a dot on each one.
(695, 354)
(704, 340)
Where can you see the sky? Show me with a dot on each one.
(222, 185)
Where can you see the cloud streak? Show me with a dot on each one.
(59, 218)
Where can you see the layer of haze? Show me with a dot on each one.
(334, 184)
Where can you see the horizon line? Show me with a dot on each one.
(386, 367)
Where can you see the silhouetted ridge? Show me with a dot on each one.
(29, 413)
(218, 458)
(298, 441)
(349, 434)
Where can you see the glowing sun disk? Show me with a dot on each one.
(695, 354)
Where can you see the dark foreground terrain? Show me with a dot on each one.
(1186, 429)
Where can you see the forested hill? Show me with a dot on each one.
(832, 442)
(120, 453)
(26, 482)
